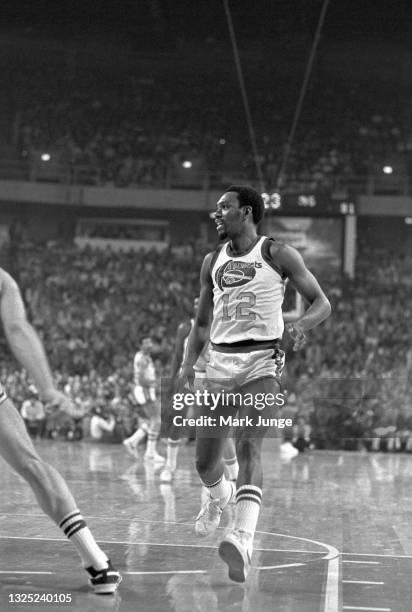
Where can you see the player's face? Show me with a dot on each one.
(228, 216)
(147, 345)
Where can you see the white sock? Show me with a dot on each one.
(248, 501)
(75, 528)
(170, 503)
(221, 489)
(151, 443)
(138, 436)
(172, 452)
(231, 468)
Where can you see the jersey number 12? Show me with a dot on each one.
(243, 312)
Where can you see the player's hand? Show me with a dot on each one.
(56, 401)
(297, 334)
(185, 382)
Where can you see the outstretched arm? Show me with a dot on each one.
(24, 341)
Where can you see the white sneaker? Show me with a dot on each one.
(130, 447)
(236, 551)
(208, 519)
(154, 458)
(288, 451)
(167, 474)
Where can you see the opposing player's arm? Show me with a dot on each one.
(200, 330)
(23, 339)
(292, 265)
(181, 335)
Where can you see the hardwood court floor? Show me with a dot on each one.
(335, 533)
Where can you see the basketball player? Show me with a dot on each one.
(175, 432)
(17, 449)
(145, 395)
(242, 285)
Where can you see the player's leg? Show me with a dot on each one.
(210, 442)
(236, 548)
(172, 451)
(53, 497)
(137, 436)
(230, 459)
(141, 432)
(210, 467)
(154, 412)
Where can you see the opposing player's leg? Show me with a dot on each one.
(151, 454)
(141, 432)
(131, 443)
(172, 451)
(54, 497)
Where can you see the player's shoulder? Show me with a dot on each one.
(211, 257)
(280, 255)
(5, 277)
(7, 281)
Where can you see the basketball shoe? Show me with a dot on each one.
(208, 519)
(236, 551)
(105, 581)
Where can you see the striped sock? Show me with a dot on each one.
(221, 489)
(172, 452)
(248, 501)
(231, 468)
(75, 528)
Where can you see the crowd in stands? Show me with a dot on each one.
(353, 378)
(91, 307)
(136, 130)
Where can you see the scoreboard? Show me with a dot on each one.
(321, 204)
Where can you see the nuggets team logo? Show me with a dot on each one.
(234, 274)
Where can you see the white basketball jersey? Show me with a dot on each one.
(248, 293)
(144, 370)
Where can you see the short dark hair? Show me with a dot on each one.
(144, 337)
(248, 196)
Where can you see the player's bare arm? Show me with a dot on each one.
(199, 334)
(291, 263)
(25, 343)
(181, 335)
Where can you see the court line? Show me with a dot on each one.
(332, 556)
(332, 551)
(377, 555)
(361, 562)
(107, 518)
(367, 609)
(283, 550)
(272, 567)
(332, 577)
(361, 582)
(23, 572)
(332, 586)
(165, 572)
